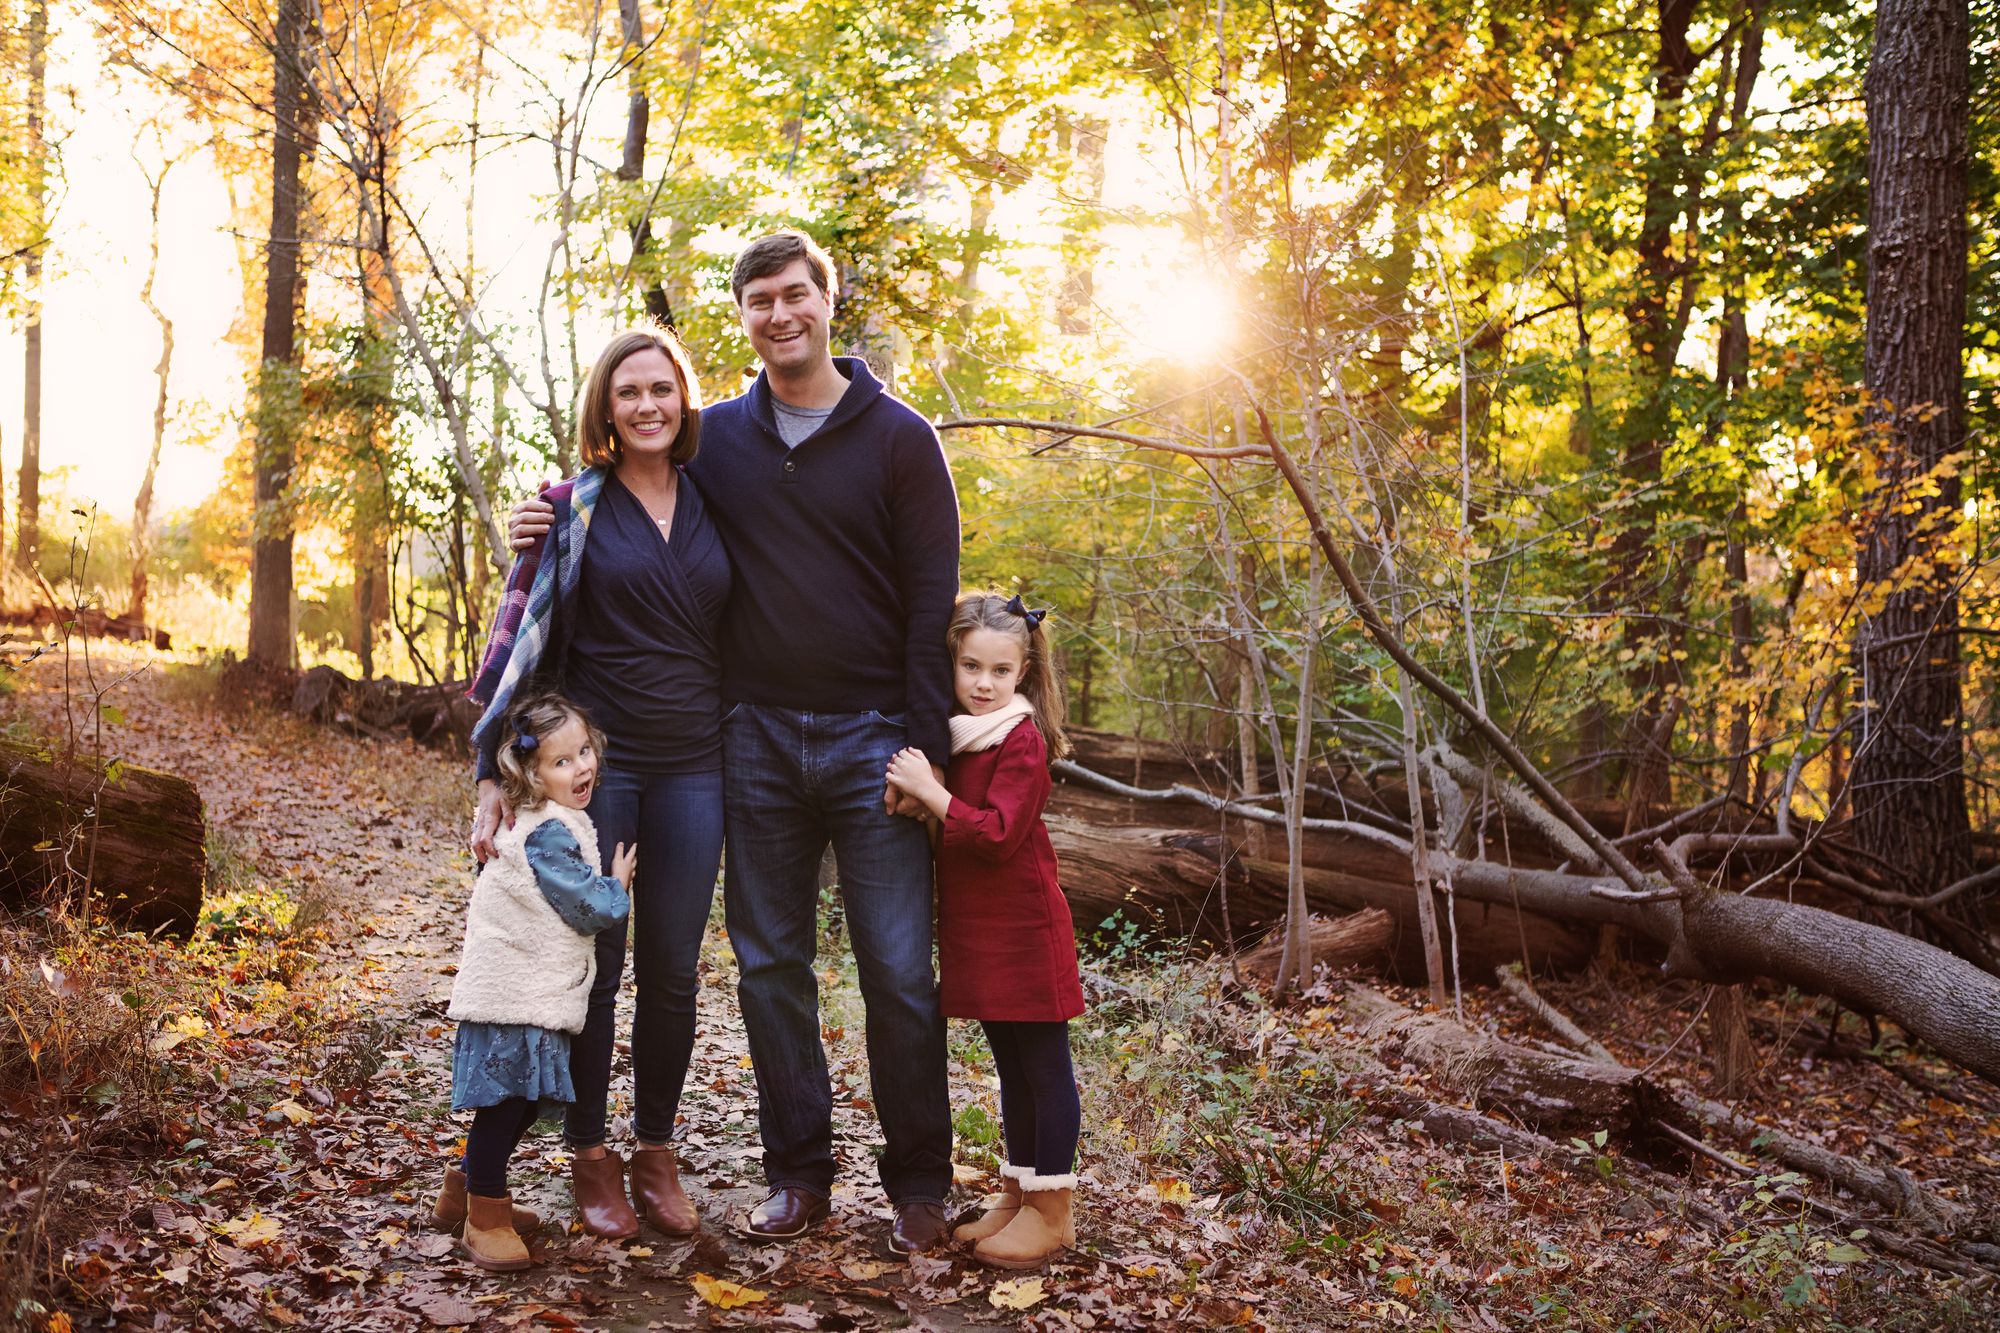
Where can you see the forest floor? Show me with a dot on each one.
(244, 1131)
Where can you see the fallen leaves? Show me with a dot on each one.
(251, 1231)
(723, 1293)
(1017, 1294)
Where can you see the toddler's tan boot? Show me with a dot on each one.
(448, 1213)
(1043, 1228)
(490, 1239)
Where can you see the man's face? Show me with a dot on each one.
(786, 316)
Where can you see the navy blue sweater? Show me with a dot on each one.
(845, 553)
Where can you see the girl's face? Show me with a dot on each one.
(646, 402)
(988, 670)
(567, 765)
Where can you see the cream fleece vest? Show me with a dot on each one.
(522, 963)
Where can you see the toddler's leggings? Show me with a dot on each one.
(1039, 1108)
(496, 1131)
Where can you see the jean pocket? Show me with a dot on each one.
(897, 720)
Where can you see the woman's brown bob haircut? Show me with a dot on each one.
(597, 443)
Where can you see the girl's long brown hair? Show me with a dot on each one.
(1041, 676)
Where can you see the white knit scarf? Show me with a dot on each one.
(983, 731)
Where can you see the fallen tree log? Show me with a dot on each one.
(1728, 938)
(88, 620)
(134, 838)
(1552, 1094)
(1366, 936)
(1172, 881)
(1890, 1186)
(438, 715)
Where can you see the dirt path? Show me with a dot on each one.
(338, 1147)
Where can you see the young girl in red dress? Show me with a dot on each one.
(1006, 946)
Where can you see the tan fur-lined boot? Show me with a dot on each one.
(657, 1195)
(448, 1213)
(490, 1239)
(1043, 1228)
(1000, 1208)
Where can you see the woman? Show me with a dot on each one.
(625, 624)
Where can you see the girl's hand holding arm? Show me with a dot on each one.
(916, 777)
(624, 862)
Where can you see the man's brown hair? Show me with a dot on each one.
(775, 253)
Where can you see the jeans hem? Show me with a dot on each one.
(775, 1185)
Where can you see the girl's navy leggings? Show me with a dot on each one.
(496, 1131)
(1039, 1108)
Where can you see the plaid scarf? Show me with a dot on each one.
(535, 586)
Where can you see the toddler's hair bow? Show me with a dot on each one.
(1020, 608)
(526, 741)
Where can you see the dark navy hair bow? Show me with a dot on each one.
(526, 741)
(1020, 608)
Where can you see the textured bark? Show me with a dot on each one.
(1553, 1094)
(1727, 938)
(1341, 942)
(1171, 881)
(1908, 771)
(27, 535)
(137, 839)
(271, 640)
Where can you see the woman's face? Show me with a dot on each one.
(646, 402)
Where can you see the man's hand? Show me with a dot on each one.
(486, 820)
(531, 520)
(916, 787)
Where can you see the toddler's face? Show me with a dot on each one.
(567, 765)
(988, 670)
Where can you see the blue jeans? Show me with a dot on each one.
(676, 820)
(794, 781)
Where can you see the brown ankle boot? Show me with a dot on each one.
(599, 1186)
(1000, 1210)
(657, 1195)
(448, 1213)
(490, 1239)
(1042, 1229)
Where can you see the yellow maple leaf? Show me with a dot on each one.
(1017, 1294)
(719, 1291)
(255, 1229)
(293, 1112)
(1173, 1191)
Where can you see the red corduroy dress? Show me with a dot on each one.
(1006, 945)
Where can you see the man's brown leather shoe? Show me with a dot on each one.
(788, 1211)
(918, 1227)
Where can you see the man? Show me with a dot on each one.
(838, 511)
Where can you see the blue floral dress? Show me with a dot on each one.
(493, 1062)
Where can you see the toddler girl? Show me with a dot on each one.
(524, 976)
(1006, 945)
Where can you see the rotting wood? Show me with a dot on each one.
(136, 837)
(1339, 943)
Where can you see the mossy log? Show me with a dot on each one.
(133, 838)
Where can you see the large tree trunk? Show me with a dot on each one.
(1171, 881)
(1908, 773)
(28, 532)
(135, 837)
(271, 639)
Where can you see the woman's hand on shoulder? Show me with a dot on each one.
(531, 520)
(492, 808)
